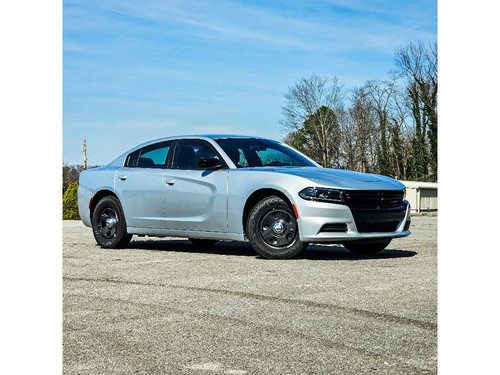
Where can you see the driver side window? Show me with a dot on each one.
(188, 153)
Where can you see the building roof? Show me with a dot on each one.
(420, 184)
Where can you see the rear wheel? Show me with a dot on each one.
(272, 229)
(367, 247)
(108, 224)
(202, 242)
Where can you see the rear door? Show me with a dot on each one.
(140, 186)
(195, 198)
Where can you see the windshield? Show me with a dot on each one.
(254, 152)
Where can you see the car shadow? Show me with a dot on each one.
(242, 249)
(220, 248)
(338, 252)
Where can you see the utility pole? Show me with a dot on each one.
(84, 154)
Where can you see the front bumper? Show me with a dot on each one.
(313, 216)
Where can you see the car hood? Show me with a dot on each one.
(340, 178)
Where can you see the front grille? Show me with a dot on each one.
(369, 227)
(373, 199)
(334, 227)
(376, 210)
(378, 220)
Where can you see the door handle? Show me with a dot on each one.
(170, 181)
(122, 178)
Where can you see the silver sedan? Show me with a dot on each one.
(237, 188)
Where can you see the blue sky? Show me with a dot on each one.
(138, 70)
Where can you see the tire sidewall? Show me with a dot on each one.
(121, 229)
(252, 229)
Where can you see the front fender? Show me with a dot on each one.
(242, 184)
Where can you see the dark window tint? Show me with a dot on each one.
(241, 159)
(254, 152)
(154, 156)
(189, 152)
(132, 159)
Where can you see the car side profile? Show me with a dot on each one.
(239, 188)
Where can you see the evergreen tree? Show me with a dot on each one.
(70, 203)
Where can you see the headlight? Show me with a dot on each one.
(322, 195)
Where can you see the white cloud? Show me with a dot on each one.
(245, 24)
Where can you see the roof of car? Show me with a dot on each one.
(191, 136)
(219, 136)
(174, 137)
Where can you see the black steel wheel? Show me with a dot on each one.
(201, 242)
(367, 247)
(108, 224)
(272, 229)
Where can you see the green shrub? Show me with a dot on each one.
(70, 203)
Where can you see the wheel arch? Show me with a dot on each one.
(257, 196)
(98, 196)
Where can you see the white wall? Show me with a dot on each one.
(421, 195)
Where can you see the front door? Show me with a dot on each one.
(195, 199)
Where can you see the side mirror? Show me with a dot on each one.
(209, 163)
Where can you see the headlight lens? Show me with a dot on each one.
(322, 195)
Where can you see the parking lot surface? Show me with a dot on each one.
(164, 306)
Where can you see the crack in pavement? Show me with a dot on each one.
(365, 313)
(406, 367)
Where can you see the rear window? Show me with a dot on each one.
(154, 156)
(132, 159)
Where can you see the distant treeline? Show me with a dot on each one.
(386, 126)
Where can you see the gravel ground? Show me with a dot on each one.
(166, 307)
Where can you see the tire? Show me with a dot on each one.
(108, 224)
(367, 247)
(202, 242)
(272, 229)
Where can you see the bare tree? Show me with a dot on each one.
(310, 114)
(381, 94)
(359, 137)
(418, 62)
(402, 134)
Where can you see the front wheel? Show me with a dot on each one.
(367, 247)
(272, 229)
(108, 224)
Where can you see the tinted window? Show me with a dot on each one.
(188, 153)
(253, 152)
(271, 156)
(242, 160)
(154, 156)
(132, 159)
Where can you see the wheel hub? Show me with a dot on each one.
(278, 227)
(111, 222)
(108, 222)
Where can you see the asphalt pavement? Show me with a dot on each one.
(164, 306)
